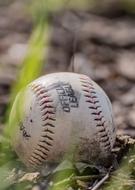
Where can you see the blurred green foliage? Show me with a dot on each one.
(33, 61)
(44, 8)
(124, 177)
(31, 69)
(128, 5)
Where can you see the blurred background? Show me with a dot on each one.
(93, 38)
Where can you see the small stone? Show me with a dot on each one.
(130, 132)
(131, 118)
(36, 187)
(81, 64)
(57, 60)
(29, 177)
(120, 114)
(17, 53)
(117, 108)
(102, 72)
(126, 64)
(128, 99)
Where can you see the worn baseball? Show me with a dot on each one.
(62, 115)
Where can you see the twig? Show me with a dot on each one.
(87, 177)
(101, 182)
(64, 181)
(74, 178)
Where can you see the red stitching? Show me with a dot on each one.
(48, 137)
(38, 154)
(31, 162)
(87, 82)
(49, 124)
(49, 112)
(99, 117)
(35, 160)
(86, 85)
(97, 113)
(91, 98)
(48, 117)
(45, 100)
(49, 131)
(42, 148)
(46, 142)
(46, 106)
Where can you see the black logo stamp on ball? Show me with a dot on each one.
(24, 132)
(67, 95)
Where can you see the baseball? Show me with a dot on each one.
(62, 115)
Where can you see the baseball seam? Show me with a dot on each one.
(45, 103)
(96, 110)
